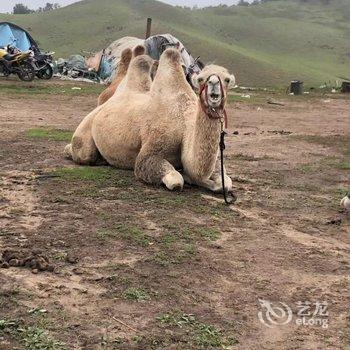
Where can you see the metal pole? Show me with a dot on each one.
(149, 27)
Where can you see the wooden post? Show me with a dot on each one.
(149, 27)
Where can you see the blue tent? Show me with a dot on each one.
(14, 35)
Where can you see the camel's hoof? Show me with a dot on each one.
(177, 188)
(173, 181)
(231, 198)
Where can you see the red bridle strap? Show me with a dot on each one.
(211, 112)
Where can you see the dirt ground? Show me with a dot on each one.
(101, 261)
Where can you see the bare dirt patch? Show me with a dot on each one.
(138, 267)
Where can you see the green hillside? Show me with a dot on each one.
(265, 44)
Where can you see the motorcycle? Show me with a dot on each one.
(16, 63)
(42, 63)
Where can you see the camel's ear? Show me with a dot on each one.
(194, 80)
(231, 82)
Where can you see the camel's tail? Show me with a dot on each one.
(68, 151)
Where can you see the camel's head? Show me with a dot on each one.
(214, 81)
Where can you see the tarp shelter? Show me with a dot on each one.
(16, 36)
(106, 61)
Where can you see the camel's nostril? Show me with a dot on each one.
(214, 96)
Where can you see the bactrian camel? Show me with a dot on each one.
(160, 131)
(123, 66)
(89, 154)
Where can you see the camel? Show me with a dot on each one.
(89, 153)
(123, 66)
(158, 131)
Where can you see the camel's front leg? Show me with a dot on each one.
(216, 176)
(154, 169)
(214, 182)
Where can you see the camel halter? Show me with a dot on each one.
(213, 112)
(221, 114)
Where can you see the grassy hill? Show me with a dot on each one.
(266, 44)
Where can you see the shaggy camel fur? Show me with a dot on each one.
(158, 131)
(123, 66)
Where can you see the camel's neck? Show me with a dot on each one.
(201, 145)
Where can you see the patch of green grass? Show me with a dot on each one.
(342, 192)
(50, 134)
(100, 175)
(245, 157)
(104, 235)
(37, 339)
(4, 233)
(129, 232)
(168, 198)
(61, 199)
(210, 234)
(190, 249)
(6, 324)
(242, 97)
(179, 242)
(335, 162)
(16, 211)
(190, 233)
(133, 234)
(39, 88)
(178, 254)
(32, 338)
(342, 165)
(203, 335)
(306, 168)
(136, 294)
(59, 256)
(341, 143)
(162, 258)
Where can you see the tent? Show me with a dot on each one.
(16, 36)
(106, 62)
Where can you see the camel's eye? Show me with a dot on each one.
(200, 80)
(227, 80)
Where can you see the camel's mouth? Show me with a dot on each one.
(214, 99)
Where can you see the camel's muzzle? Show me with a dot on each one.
(213, 99)
(215, 92)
